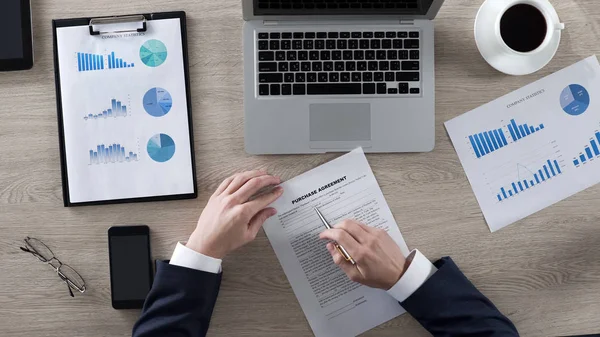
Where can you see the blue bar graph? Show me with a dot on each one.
(484, 143)
(549, 169)
(590, 152)
(89, 62)
(117, 109)
(111, 154)
(487, 142)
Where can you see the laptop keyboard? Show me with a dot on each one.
(339, 63)
(336, 4)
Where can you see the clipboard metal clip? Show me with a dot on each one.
(125, 23)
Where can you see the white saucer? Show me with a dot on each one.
(499, 55)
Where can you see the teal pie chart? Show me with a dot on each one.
(157, 102)
(575, 100)
(153, 53)
(161, 148)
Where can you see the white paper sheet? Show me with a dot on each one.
(551, 154)
(87, 91)
(344, 188)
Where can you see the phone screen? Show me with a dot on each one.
(11, 26)
(130, 268)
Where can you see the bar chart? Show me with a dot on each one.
(519, 131)
(591, 151)
(90, 62)
(111, 154)
(115, 62)
(486, 142)
(117, 109)
(549, 170)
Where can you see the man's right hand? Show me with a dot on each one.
(379, 261)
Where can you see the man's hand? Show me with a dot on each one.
(230, 219)
(379, 261)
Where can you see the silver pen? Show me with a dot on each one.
(340, 248)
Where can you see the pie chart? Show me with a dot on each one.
(153, 53)
(575, 100)
(157, 102)
(161, 148)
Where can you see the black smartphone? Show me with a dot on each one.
(16, 52)
(131, 272)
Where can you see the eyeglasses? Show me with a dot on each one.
(72, 278)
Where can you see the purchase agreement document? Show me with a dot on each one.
(344, 188)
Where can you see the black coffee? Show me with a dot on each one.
(523, 28)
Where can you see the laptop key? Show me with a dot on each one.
(392, 90)
(403, 88)
(297, 44)
(333, 35)
(390, 76)
(266, 56)
(407, 77)
(313, 55)
(308, 44)
(274, 45)
(334, 77)
(345, 35)
(362, 66)
(414, 55)
(353, 44)
(367, 77)
(381, 88)
(386, 44)
(373, 65)
(403, 54)
(339, 66)
(384, 65)
(317, 66)
(375, 44)
(292, 55)
(275, 89)
(402, 35)
(323, 77)
(305, 66)
(266, 67)
(263, 45)
(295, 66)
(370, 55)
(298, 35)
(311, 77)
(390, 35)
(356, 35)
(413, 35)
(397, 44)
(286, 89)
(309, 35)
(321, 35)
(263, 89)
(345, 77)
(334, 89)
(356, 77)
(263, 36)
(351, 66)
(368, 88)
(299, 89)
(328, 66)
(336, 55)
(320, 44)
(395, 65)
(283, 66)
(411, 44)
(359, 55)
(381, 55)
(286, 35)
(368, 35)
(286, 44)
(347, 55)
(379, 35)
(275, 35)
(415, 90)
(300, 77)
(378, 76)
(303, 55)
(325, 55)
(410, 65)
(364, 44)
(392, 55)
(342, 44)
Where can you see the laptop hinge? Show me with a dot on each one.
(407, 22)
(270, 23)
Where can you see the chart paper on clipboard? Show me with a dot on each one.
(124, 111)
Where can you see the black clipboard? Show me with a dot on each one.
(142, 19)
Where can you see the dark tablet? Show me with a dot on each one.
(16, 52)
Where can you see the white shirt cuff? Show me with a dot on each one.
(418, 272)
(188, 258)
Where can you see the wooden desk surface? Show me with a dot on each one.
(543, 272)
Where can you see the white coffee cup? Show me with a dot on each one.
(498, 54)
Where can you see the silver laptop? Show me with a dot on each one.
(333, 75)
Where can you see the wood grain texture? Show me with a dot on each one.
(543, 272)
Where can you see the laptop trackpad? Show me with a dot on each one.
(340, 125)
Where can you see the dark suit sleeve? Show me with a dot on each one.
(180, 303)
(448, 304)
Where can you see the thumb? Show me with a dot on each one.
(259, 219)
